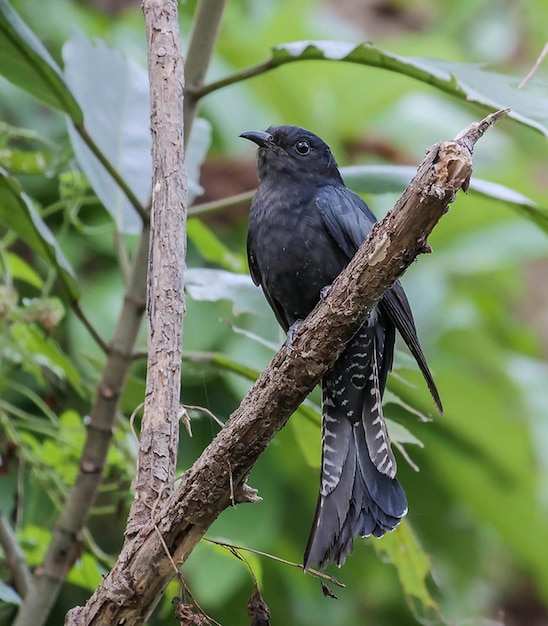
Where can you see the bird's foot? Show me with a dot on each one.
(324, 291)
(291, 333)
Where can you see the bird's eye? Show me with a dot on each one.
(302, 147)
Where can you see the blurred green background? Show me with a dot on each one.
(474, 548)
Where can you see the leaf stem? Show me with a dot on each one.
(141, 210)
(197, 92)
(77, 309)
(215, 206)
(312, 572)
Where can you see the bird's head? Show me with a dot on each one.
(291, 151)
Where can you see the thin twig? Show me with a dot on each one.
(77, 309)
(113, 172)
(535, 67)
(15, 558)
(132, 421)
(312, 572)
(198, 92)
(182, 581)
(207, 208)
(123, 257)
(203, 409)
(475, 131)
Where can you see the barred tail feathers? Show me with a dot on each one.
(359, 494)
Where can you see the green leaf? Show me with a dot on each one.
(19, 269)
(18, 214)
(25, 161)
(213, 285)
(514, 200)
(392, 398)
(41, 351)
(305, 431)
(86, 573)
(197, 149)
(212, 248)
(24, 151)
(503, 245)
(379, 179)
(466, 81)
(482, 448)
(25, 62)
(222, 362)
(411, 562)
(114, 95)
(399, 436)
(34, 541)
(61, 453)
(9, 595)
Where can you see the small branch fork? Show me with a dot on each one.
(132, 588)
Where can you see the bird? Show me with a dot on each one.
(304, 227)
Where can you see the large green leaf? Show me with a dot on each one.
(212, 248)
(25, 62)
(411, 562)
(379, 179)
(470, 82)
(9, 595)
(18, 213)
(210, 285)
(114, 95)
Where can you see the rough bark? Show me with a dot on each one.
(165, 295)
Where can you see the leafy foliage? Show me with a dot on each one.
(26, 62)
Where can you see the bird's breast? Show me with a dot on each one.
(295, 255)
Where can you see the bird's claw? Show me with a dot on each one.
(291, 333)
(324, 291)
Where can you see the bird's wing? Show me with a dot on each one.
(253, 267)
(396, 306)
(349, 221)
(346, 216)
(258, 280)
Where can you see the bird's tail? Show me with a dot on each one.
(359, 494)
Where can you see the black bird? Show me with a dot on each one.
(304, 227)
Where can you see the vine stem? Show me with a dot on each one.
(197, 92)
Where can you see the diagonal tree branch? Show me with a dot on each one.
(130, 591)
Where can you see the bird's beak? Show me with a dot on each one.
(261, 138)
